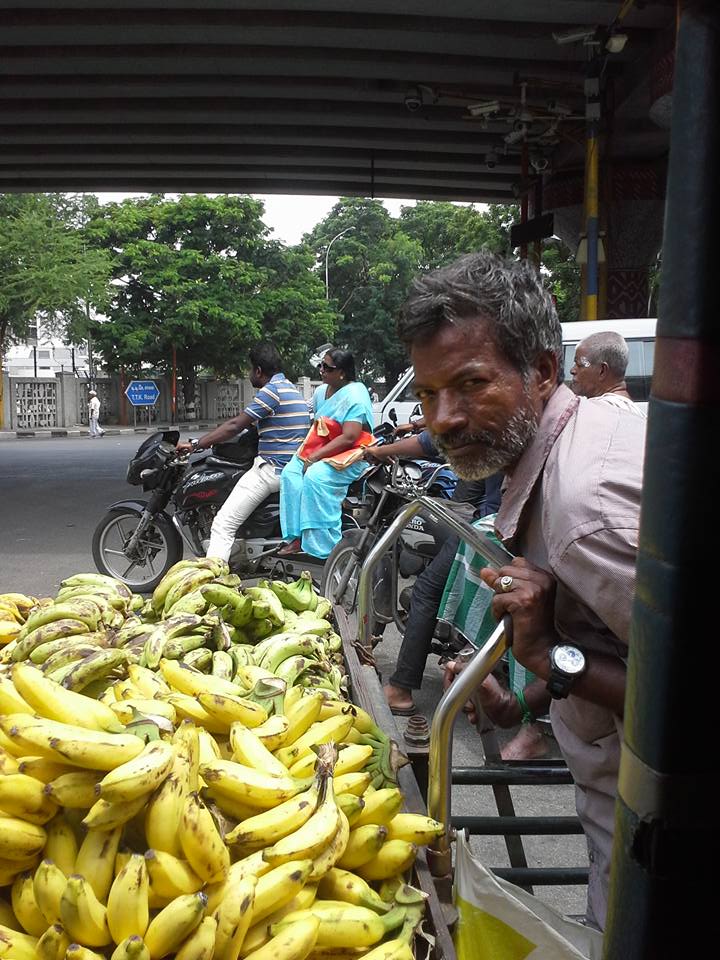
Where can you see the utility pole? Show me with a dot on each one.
(336, 237)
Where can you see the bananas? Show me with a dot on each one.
(143, 742)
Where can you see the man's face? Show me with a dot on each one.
(587, 377)
(476, 404)
(256, 378)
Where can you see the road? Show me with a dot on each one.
(54, 491)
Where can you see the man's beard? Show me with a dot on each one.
(495, 451)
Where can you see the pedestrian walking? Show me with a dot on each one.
(94, 413)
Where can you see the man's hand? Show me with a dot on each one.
(530, 601)
(498, 704)
(184, 447)
(375, 454)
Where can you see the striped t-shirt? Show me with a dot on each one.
(283, 420)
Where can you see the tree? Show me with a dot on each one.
(198, 275)
(48, 273)
(446, 230)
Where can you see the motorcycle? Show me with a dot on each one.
(138, 540)
(394, 485)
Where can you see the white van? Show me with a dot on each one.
(640, 337)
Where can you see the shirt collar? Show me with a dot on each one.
(519, 486)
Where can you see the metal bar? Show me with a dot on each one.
(521, 776)
(543, 876)
(519, 826)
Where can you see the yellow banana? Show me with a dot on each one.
(96, 859)
(354, 783)
(363, 844)
(381, 806)
(106, 816)
(17, 945)
(75, 789)
(53, 943)
(247, 749)
(52, 700)
(343, 885)
(314, 836)
(209, 749)
(233, 916)
(19, 839)
(22, 796)
(192, 682)
(259, 934)
(345, 925)
(147, 681)
(227, 708)
(239, 782)
(415, 828)
(7, 917)
(302, 715)
(293, 942)
(76, 951)
(273, 731)
(92, 749)
(128, 912)
(202, 844)
(9, 763)
(293, 696)
(10, 699)
(169, 877)
(165, 807)
(351, 759)
(126, 710)
(334, 728)
(174, 923)
(272, 825)
(200, 945)
(41, 768)
(351, 806)
(131, 948)
(395, 856)
(25, 906)
(188, 708)
(82, 914)
(49, 884)
(9, 869)
(278, 886)
(140, 775)
(332, 853)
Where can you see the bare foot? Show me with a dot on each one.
(529, 743)
(292, 547)
(399, 699)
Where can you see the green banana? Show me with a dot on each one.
(263, 593)
(193, 602)
(220, 635)
(71, 654)
(299, 595)
(222, 596)
(230, 580)
(278, 653)
(200, 658)
(174, 649)
(178, 571)
(258, 629)
(99, 579)
(97, 665)
(311, 625)
(167, 630)
(45, 651)
(289, 670)
(187, 584)
(223, 665)
(54, 630)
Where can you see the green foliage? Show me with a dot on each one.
(48, 273)
(198, 274)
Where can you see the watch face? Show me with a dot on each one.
(569, 659)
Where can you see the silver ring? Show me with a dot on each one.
(505, 584)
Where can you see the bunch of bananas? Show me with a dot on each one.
(14, 610)
(165, 808)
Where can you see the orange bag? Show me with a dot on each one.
(322, 432)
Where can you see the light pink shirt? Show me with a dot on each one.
(572, 507)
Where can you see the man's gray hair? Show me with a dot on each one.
(608, 347)
(508, 294)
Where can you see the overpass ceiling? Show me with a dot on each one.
(371, 97)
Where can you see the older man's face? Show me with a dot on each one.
(476, 404)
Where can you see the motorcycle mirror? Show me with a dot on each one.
(392, 415)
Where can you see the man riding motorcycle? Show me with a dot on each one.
(282, 418)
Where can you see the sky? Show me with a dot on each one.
(289, 217)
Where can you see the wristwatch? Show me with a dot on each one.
(195, 444)
(567, 663)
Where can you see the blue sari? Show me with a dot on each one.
(311, 502)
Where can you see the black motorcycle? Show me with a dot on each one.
(138, 540)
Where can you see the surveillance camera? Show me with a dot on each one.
(539, 163)
(413, 100)
(491, 159)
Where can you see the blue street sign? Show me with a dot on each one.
(142, 393)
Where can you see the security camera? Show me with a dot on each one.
(538, 162)
(491, 159)
(413, 100)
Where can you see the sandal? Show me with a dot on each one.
(293, 546)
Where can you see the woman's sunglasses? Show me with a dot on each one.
(325, 367)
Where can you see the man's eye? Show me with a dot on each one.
(423, 395)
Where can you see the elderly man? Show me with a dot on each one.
(486, 346)
(599, 370)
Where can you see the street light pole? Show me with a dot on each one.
(336, 237)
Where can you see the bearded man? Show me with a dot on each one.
(486, 346)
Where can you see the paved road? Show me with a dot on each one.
(52, 494)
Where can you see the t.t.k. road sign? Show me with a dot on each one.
(142, 393)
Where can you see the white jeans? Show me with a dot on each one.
(251, 489)
(95, 429)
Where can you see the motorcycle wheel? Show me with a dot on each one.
(160, 548)
(336, 566)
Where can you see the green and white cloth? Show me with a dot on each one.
(466, 602)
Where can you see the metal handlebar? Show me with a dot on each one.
(440, 756)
